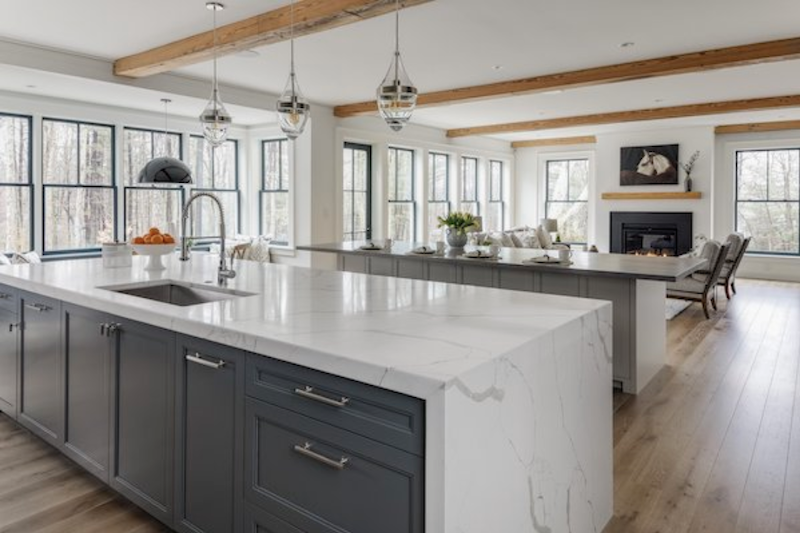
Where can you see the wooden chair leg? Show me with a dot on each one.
(733, 286)
(714, 298)
(728, 289)
(705, 308)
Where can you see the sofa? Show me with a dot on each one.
(519, 237)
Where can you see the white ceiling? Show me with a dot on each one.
(447, 44)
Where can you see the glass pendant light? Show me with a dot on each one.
(215, 119)
(397, 96)
(292, 107)
(165, 170)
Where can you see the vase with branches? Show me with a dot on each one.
(687, 167)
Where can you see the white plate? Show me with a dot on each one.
(423, 251)
(547, 260)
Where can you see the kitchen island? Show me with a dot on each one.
(318, 401)
(636, 285)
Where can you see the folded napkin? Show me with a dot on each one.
(424, 250)
(370, 246)
(478, 254)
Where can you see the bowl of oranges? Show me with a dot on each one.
(154, 245)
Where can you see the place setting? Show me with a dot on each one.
(564, 258)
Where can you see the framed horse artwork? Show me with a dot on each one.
(649, 165)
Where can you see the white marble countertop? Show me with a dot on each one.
(583, 263)
(409, 336)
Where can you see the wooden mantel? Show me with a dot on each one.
(694, 195)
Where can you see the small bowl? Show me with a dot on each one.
(154, 252)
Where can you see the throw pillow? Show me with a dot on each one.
(544, 238)
(4, 260)
(259, 250)
(516, 239)
(530, 239)
(19, 259)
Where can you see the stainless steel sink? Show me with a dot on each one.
(173, 293)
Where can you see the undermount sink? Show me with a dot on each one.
(174, 293)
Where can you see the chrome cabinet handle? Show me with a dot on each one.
(198, 359)
(5, 296)
(104, 329)
(308, 392)
(113, 328)
(307, 451)
(39, 308)
(12, 326)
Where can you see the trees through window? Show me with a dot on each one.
(78, 180)
(214, 170)
(15, 184)
(768, 199)
(494, 219)
(567, 198)
(401, 197)
(469, 185)
(274, 194)
(438, 188)
(356, 204)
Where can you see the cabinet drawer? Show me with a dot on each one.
(8, 299)
(320, 478)
(385, 416)
(259, 521)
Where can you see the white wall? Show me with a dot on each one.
(605, 178)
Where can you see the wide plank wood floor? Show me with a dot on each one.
(713, 444)
(43, 492)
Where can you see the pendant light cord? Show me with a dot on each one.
(291, 38)
(166, 116)
(397, 42)
(216, 87)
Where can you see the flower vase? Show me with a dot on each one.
(456, 239)
(688, 183)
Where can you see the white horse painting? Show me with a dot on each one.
(653, 164)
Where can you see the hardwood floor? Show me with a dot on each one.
(43, 492)
(713, 444)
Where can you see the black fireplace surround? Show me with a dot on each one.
(658, 233)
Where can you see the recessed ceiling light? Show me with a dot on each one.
(627, 44)
(554, 91)
(658, 100)
(30, 86)
(497, 67)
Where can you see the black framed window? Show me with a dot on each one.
(274, 195)
(768, 199)
(438, 188)
(357, 204)
(402, 193)
(16, 184)
(469, 185)
(567, 198)
(214, 170)
(494, 219)
(78, 185)
(145, 206)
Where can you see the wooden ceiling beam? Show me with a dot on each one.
(659, 113)
(560, 141)
(756, 127)
(311, 16)
(733, 56)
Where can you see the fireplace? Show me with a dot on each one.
(667, 234)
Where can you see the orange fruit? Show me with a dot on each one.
(154, 231)
(148, 239)
(169, 239)
(138, 240)
(156, 239)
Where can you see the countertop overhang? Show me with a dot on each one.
(669, 269)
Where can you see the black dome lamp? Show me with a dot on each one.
(165, 170)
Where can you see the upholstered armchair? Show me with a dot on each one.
(701, 286)
(727, 276)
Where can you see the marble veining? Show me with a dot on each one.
(517, 384)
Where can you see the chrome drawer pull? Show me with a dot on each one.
(197, 358)
(306, 450)
(12, 326)
(308, 392)
(5, 296)
(39, 308)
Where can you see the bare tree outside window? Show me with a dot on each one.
(147, 206)
(567, 198)
(215, 171)
(469, 186)
(768, 199)
(496, 209)
(275, 183)
(15, 184)
(438, 188)
(78, 178)
(356, 201)
(402, 205)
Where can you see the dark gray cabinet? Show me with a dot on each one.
(209, 444)
(9, 328)
(88, 363)
(41, 406)
(144, 416)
